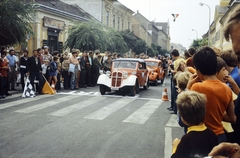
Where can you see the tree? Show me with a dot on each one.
(137, 45)
(199, 43)
(129, 38)
(15, 21)
(165, 52)
(115, 42)
(86, 36)
(140, 46)
(150, 52)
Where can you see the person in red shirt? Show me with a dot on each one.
(3, 75)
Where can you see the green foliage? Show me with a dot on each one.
(165, 52)
(115, 42)
(137, 45)
(150, 52)
(15, 21)
(129, 38)
(86, 36)
(140, 47)
(199, 43)
(156, 50)
(92, 35)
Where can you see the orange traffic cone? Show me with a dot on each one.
(165, 95)
(53, 86)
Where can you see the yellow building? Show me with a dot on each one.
(51, 24)
(111, 13)
(222, 13)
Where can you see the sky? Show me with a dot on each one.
(191, 16)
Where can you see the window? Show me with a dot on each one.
(114, 21)
(122, 24)
(129, 25)
(107, 18)
(118, 23)
(125, 64)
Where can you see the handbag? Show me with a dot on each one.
(71, 68)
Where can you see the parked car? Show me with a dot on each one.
(127, 74)
(156, 71)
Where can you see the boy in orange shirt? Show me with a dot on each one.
(219, 106)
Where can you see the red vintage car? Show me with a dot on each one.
(127, 74)
(155, 69)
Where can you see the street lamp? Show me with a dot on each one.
(201, 4)
(196, 33)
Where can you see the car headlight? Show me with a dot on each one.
(108, 73)
(134, 73)
(125, 74)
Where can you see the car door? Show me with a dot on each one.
(142, 73)
(158, 71)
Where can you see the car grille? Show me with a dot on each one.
(117, 79)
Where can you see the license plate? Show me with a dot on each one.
(115, 88)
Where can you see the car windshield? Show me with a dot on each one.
(125, 64)
(152, 63)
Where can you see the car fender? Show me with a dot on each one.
(129, 81)
(147, 80)
(161, 75)
(103, 79)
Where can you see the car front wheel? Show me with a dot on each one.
(134, 89)
(156, 82)
(147, 86)
(102, 89)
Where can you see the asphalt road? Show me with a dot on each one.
(85, 124)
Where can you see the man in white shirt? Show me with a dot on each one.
(13, 62)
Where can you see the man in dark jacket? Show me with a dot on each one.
(23, 67)
(97, 66)
(35, 70)
(83, 64)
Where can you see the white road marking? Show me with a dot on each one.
(41, 106)
(77, 106)
(137, 96)
(109, 109)
(22, 101)
(168, 142)
(172, 122)
(71, 92)
(142, 114)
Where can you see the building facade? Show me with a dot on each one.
(222, 13)
(140, 28)
(151, 32)
(111, 13)
(163, 34)
(51, 24)
(179, 47)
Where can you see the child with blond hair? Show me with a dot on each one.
(199, 140)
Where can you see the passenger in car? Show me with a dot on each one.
(108, 63)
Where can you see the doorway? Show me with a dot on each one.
(53, 39)
(52, 43)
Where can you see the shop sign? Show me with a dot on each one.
(53, 23)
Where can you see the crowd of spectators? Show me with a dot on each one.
(205, 88)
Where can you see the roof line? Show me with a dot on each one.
(62, 12)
